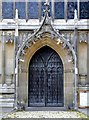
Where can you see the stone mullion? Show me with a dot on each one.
(26, 10)
(40, 5)
(78, 8)
(14, 9)
(66, 9)
(53, 10)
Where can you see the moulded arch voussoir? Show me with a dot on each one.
(52, 44)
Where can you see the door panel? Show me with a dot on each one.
(45, 79)
(54, 79)
(36, 83)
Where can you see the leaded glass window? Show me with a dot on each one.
(71, 7)
(33, 10)
(21, 6)
(7, 10)
(59, 10)
(84, 10)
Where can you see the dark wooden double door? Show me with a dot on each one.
(45, 79)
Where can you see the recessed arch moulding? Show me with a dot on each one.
(67, 64)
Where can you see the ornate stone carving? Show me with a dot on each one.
(9, 79)
(10, 37)
(83, 37)
(82, 79)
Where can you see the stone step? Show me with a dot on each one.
(46, 109)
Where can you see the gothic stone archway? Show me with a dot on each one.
(45, 86)
(68, 70)
(46, 27)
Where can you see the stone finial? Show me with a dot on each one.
(75, 18)
(75, 15)
(16, 14)
(46, 1)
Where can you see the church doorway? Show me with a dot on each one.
(45, 80)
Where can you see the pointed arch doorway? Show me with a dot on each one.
(45, 85)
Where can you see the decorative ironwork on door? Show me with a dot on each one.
(45, 79)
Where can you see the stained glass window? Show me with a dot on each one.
(59, 10)
(7, 10)
(21, 6)
(33, 10)
(71, 7)
(84, 10)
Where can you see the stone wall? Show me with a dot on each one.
(82, 60)
(6, 84)
(9, 60)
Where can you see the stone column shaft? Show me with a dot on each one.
(76, 67)
(3, 58)
(88, 61)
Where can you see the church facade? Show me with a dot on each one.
(43, 53)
